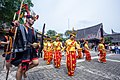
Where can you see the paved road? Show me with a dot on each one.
(84, 70)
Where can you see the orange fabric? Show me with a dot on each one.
(102, 56)
(45, 50)
(11, 43)
(71, 62)
(88, 56)
(71, 45)
(7, 52)
(87, 53)
(57, 58)
(45, 55)
(8, 47)
(79, 54)
(57, 45)
(50, 57)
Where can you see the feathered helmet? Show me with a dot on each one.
(32, 14)
(34, 17)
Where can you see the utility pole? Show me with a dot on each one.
(68, 24)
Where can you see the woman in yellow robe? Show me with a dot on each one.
(58, 48)
(49, 51)
(45, 49)
(102, 54)
(71, 46)
(86, 50)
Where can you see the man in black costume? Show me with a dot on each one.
(24, 47)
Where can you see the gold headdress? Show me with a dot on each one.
(73, 32)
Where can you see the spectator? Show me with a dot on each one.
(116, 49)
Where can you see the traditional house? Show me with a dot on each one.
(94, 33)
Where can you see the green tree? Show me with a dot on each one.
(108, 39)
(61, 35)
(8, 9)
(51, 33)
(67, 33)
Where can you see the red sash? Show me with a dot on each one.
(71, 45)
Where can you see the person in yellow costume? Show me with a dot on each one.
(57, 51)
(102, 54)
(45, 49)
(71, 46)
(79, 56)
(86, 50)
(49, 51)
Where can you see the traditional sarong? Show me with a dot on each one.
(50, 56)
(102, 56)
(45, 55)
(57, 58)
(88, 56)
(79, 54)
(71, 62)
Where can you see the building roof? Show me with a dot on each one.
(90, 32)
(96, 32)
(115, 37)
(113, 32)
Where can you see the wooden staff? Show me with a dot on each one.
(14, 16)
(18, 20)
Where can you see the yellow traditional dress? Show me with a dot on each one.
(87, 53)
(102, 54)
(45, 51)
(71, 46)
(49, 52)
(57, 53)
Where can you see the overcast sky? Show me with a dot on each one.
(61, 15)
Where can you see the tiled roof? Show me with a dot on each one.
(90, 32)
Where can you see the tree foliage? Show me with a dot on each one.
(108, 39)
(51, 33)
(67, 33)
(61, 35)
(8, 9)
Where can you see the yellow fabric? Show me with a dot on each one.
(7, 52)
(10, 42)
(45, 46)
(80, 49)
(101, 46)
(72, 34)
(70, 46)
(49, 46)
(9, 46)
(57, 45)
(86, 46)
